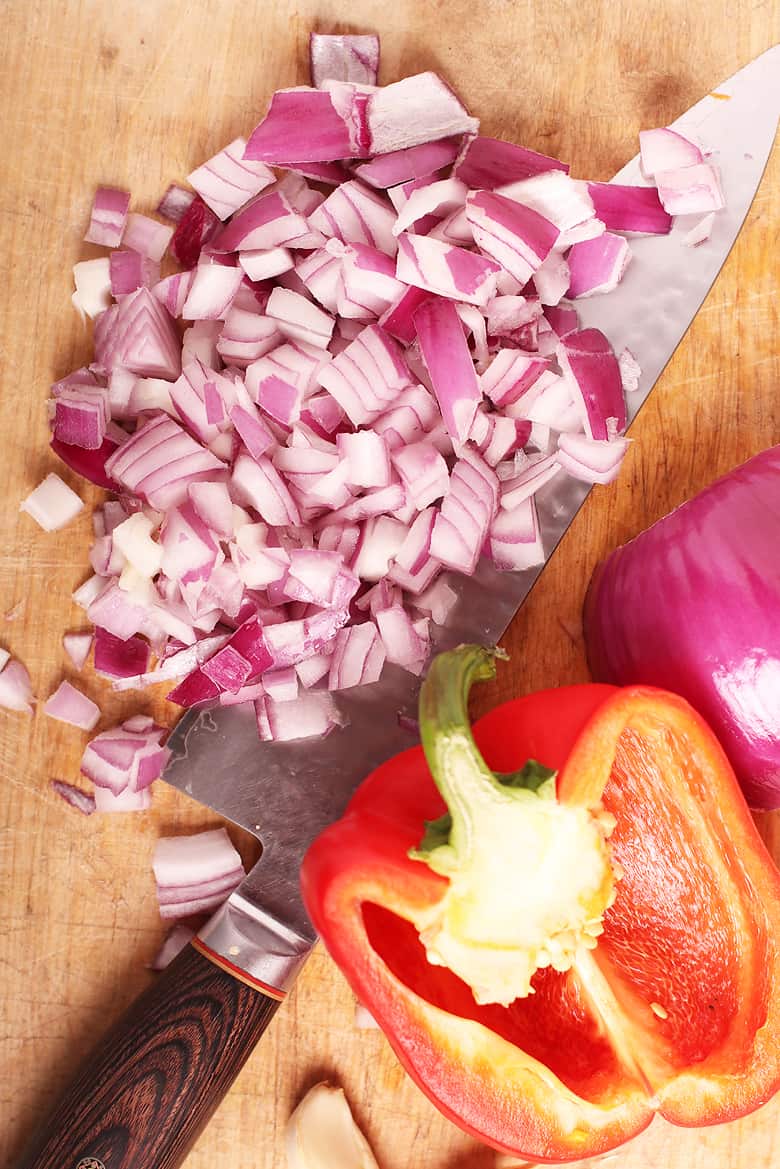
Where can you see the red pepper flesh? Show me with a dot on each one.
(677, 1011)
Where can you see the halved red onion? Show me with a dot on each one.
(489, 162)
(690, 189)
(69, 705)
(343, 58)
(15, 685)
(228, 180)
(108, 217)
(52, 504)
(82, 801)
(666, 149)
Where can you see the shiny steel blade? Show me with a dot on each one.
(286, 793)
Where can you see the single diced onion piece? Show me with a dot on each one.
(700, 232)
(77, 647)
(15, 687)
(228, 180)
(147, 236)
(449, 271)
(52, 504)
(92, 279)
(69, 705)
(597, 265)
(343, 58)
(446, 354)
(108, 217)
(666, 149)
(690, 189)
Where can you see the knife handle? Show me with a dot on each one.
(148, 1089)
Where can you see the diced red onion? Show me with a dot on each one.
(147, 236)
(589, 460)
(448, 271)
(80, 418)
(514, 235)
(700, 232)
(108, 217)
(447, 357)
(195, 873)
(343, 58)
(130, 270)
(554, 195)
(534, 474)
(623, 208)
(690, 189)
(466, 514)
(312, 714)
(140, 335)
(175, 203)
(489, 163)
(587, 356)
(367, 376)
(15, 686)
(423, 472)
(597, 265)
(117, 658)
(226, 181)
(665, 149)
(354, 213)
(416, 162)
(126, 801)
(82, 801)
(212, 292)
(298, 319)
(160, 461)
(126, 758)
(515, 538)
(441, 198)
(196, 227)
(69, 705)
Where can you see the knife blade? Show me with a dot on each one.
(286, 793)
(154, 1080)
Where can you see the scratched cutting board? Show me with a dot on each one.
(137, 94)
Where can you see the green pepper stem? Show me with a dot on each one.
(458, 769)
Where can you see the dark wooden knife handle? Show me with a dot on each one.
(151, 1085)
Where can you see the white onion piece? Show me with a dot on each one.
(313, 713)
(264, 265)
(52, 504)
(630, 371)
(126, 801)
(367, 457)
(15, 687)
(196, 873)
(69, 705)
(92, 279)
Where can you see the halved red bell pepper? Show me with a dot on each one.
(676, 1011)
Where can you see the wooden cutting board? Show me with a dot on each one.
(136, 94)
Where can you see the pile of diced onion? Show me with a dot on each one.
(365, 365)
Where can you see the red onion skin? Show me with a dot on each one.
(691, 605)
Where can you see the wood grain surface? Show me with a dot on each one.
(136, 94)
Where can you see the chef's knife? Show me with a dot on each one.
(154, 1081)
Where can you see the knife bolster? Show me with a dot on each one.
(253, 946)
